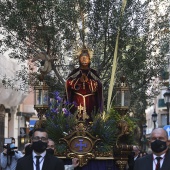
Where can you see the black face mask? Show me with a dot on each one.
(158, 146)
(132, 153)
(50, 151)
(39, 146)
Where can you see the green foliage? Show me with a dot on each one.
(61, 148)
(105, 129)
(59, 124)
(132, 125)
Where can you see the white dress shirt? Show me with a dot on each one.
(155, 160)
(41, 160)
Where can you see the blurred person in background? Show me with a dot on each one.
(10, 156)
(51, 149)
(135, 154)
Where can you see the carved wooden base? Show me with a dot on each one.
(120, 154)
(82, 145)
(121, 164)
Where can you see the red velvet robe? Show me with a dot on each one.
(86, 92)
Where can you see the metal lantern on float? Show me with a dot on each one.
(41, 98)
(121, 96)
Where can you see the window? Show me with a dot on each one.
(163, 119)
(161, 103)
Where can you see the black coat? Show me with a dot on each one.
(146, 162)
(50, 163)
(131, 161)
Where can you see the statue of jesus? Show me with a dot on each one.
(83, 86)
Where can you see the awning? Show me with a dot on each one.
(25, 114)
(32, 123)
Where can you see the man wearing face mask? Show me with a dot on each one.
(51, 149)
(160, 157)
(9, 156)
(40, 159)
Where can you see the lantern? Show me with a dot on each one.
(121, 96)
(41, 98)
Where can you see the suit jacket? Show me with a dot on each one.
(131, 161)
(146, 162)
(50, 163)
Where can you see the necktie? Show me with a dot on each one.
(158, 163)
(38, 162)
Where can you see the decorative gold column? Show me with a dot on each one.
(120, 154)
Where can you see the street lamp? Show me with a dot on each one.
(167, 102)
(144, 137)
(144, 129)
(154, 118)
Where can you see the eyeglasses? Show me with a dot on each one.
(37, 138)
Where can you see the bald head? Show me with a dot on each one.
(159, 133)
(136, 151)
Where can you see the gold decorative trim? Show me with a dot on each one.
(83, 159)
(81, 144)
(121, 164)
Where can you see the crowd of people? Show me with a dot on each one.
(38, 155)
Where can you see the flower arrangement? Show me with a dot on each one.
(58, 105)
(59, 120)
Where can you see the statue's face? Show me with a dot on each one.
(84, 60)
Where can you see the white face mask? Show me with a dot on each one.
(12, 145)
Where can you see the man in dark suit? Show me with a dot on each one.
(132, 157)
(39, 159)
(160, 158)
